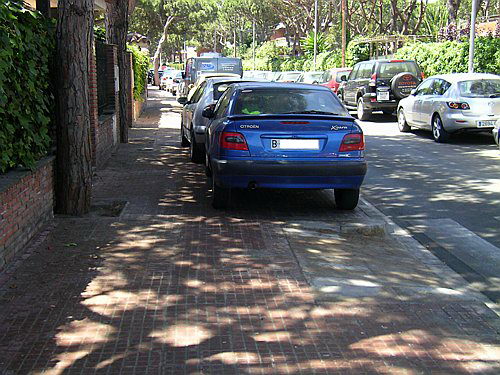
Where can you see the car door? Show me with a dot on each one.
(423, 90)
(191, 105)
(212, 130)
(350, 86)
(363, 78)
(430, 101)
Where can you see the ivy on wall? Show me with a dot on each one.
(140, 68)
(26, 103)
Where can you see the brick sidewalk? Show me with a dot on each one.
(175, 287)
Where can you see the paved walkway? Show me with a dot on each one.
(279, 284)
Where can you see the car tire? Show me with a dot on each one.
(196, 153)
(402, 123)
(184, 140)
(363, 113)
(220, 196)
(346, 199)
(439, 134)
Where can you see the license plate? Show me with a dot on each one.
(295, 144)
(382, 95)
(486, 123)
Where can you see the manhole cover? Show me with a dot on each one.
(108, 209)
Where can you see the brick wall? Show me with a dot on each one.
(26, 205)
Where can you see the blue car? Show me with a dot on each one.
(283, 136)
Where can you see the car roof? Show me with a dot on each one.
(457, 77)
(345, 69)
(265, 85)
(235, 79)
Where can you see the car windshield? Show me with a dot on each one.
(480, 88)
(289, 76)
(390, 69)
(287, 101)
(339, 76)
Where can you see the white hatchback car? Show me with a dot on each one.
(451, 103)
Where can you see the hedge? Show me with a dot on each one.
(140, 68)
(453, 56)
(26, 102)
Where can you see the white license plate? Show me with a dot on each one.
(382, 95)
(295, 144)
(486, 123)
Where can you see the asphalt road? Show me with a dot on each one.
(413, 179)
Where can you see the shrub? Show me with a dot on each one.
(26, 101)
(140, 68)
(453, 56)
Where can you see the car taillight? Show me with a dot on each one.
(233, 141)
(352, 142)
(456, 105)
(422, 75)
(373, 79)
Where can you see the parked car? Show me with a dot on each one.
(289, 136)
(496, 133)
(288, 76)
(450, 103)
(168, 79)
(379, 85)
(333, 77)
(173, 81)
(271, 76)
(310, 77)
(192, 122)
(189, 90)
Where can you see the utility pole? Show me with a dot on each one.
(472, 35)
(315, 32)
(253, 43)
(344, 31)
(234, 40)
(215, 40)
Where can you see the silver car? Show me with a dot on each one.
(310, 77)
(192, 122)
(450, 103)
(496, 133)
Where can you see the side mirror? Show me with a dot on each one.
(208, 111)
(182, 100)
(413, 92)
(343, 78)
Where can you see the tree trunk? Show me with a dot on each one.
(156, 58)
(74, 161)
(452, 6)
(116, 33)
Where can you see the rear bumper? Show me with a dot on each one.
(458, 122)
(385, 105)
(289, 174)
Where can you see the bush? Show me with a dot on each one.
(26, 102)
(453, 56)
(140, 68)
(356, 52)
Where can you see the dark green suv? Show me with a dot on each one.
(378, 85)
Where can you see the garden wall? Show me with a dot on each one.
(26, 205)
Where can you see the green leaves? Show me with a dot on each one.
(140, 67)
(26, 45)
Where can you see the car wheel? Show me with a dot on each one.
(439, 134)
(363, 113)
(196, 153)
(346, 199)
(220, 196)
(184, 140)
(402, 123)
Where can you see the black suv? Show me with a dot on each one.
(379, 85)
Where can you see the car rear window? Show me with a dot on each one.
(282, 101)
(480, 88)
(391, 68)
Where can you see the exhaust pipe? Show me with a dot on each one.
(252, 185)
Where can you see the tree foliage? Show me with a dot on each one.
(26, 102)
(140, 67)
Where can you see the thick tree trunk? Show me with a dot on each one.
(116, 33)
(74, 161)
(452, 6)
